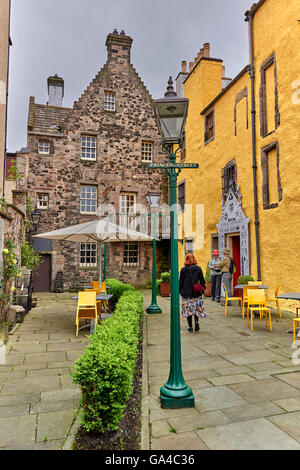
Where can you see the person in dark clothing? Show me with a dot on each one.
(192, 303)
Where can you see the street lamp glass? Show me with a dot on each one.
(172, 113)
(35, 217)
(153, 199)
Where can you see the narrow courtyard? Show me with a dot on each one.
(246, 385)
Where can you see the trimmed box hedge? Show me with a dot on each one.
(105, 371)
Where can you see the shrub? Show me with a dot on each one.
(245, 279)
(165, 277)
(106, 369)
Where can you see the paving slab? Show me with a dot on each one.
(32, 384)
(14, 410)
(54, 425)
(289, 404)
(291, 378)
(17, 430)
(252, 357)
(217, 398)
(264, 390)
(184, 440)
(202, 420)
(257, 434)
(230, 379)
(289, 423)
(260, 410)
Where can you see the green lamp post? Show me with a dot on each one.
(153, 199)
(171, 113)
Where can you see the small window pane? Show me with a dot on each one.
(147, 151)
(88, 255)
(42, 201)
(88, 199)
(44, 147)
(109, 101)
(88, 147)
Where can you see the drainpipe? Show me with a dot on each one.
(249, 18)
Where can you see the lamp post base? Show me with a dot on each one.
(153, 308)
(175, 403)
(177, 397)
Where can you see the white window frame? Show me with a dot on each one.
(44, 147)
(125, 206)
(147, 151)
(109, 101)
(86, 261)
(93, 197)
(88, 146)
(130, 258)
(41, 199)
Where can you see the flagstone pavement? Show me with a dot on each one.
(246, 385)
(38, 400)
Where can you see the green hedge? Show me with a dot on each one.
(106, 369)
(117, 288)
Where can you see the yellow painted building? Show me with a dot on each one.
(227, 139)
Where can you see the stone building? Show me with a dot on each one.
(4, 58)
(90, 155)
(248, 151)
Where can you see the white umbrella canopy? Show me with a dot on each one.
(98, 230)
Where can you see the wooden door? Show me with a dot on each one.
(236, 259)
(42, 276)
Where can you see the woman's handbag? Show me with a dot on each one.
(198, 288)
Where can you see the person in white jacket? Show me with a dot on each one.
(215, 276)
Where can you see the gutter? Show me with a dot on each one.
(249, 18)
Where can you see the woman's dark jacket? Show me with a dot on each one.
(189, 275)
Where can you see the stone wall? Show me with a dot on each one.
(118, 168)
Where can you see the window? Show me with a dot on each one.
(271, 183)
(44, 147)
(147, 151)
(88, 200)
(209, 133)
(229, 178)
(42, 201)
(127, 203)
(131, 254)
(109, 101)
(88, 255)
(181, 195)
(189, 246)
(268, 97)
(88, 147)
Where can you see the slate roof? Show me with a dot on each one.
(46, 119)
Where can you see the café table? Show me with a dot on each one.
(98, 297)
(291, 296)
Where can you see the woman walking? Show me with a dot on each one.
(191, 286)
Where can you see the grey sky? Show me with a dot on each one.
(68, 37)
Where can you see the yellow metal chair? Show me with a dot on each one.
(86, 307)
(295, 320)
(245, 297)
(95, 285)
(254, 283)
(273, 299)
(227, 299)
(257, 302)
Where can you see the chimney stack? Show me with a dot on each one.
(206, 48)
(118, 46)
(191, 66)
(183, 66)
(55, 91)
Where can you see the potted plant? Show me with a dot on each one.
(244, 279)
(207, 282)
(164, 285)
